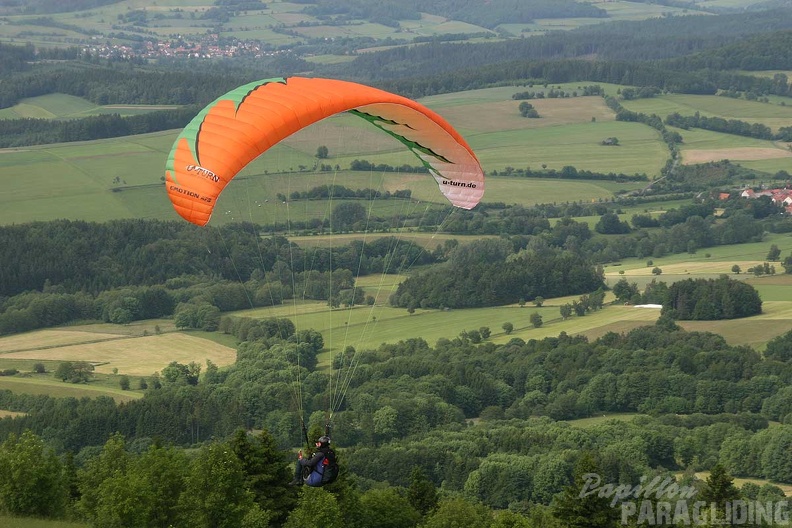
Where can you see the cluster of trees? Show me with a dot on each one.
(569, 172)
(592, 89)
(527, 110)
(367, 166)
(710, 299)
(240, 482)
(697, 299)
(322, 192)
(492, 272)
(728, 126)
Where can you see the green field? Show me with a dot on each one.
(26, 522)
(122, 177)
(772, 115)
(62, 106)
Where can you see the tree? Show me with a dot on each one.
(624, 291)
(536, 320)
(787, 264)
(779, 348)
(459, 513)
(566, 311)
(31, 479)
(179, 374)
(215, 494)
(736, 269)
(322, 152)
(527, 110)
(346, 214)
(113, 460)
(421, 492)
(590, 510)
(720, 489)
(123, 382)
(266, 472)
(386, 508)
(609, 224)
(385, 420)
(64, 370)
(538, 301)
(774, 253)
(74, 371)
(316, 508)
(508, 328)
(656, 271)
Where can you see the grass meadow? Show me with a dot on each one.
(27, 522)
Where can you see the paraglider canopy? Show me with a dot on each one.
(242, 124)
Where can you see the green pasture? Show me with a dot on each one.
(29, 522)
(700, 139)
(45, 384)
(627, 212)
(721, 255)
(772, 115)
(430, 25)
(593, 421)
(770, 166)
(62, 106)
(625, 10)
(366, 327)
(640, 150)
(532, 191)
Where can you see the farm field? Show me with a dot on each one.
(136, 356)
(701, 146)
(47, 385)
(122, 177)
(135, 350)
(62, 106)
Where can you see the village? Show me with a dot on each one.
(779, 196)
(208, 47)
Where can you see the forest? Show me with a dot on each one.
(404, 425)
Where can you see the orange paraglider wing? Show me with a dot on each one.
(236, 128)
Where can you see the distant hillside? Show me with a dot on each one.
(48, 6)
(648, 40)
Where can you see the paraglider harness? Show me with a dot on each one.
(325, 469)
